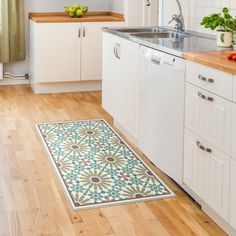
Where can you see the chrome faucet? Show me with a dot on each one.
(179, 19)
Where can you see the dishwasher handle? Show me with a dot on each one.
(156, 60)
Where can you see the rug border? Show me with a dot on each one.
(65, 190)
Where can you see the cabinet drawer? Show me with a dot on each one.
(209, 116)
(232, 219)
(207, 173)
(208, 78)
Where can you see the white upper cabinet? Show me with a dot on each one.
(120, 73)
(207, 173)
(56, 48)
(209, 116)
(91, 50)
(215, 81)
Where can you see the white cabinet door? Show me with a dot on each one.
(128, 53)
(233, 145)
(209, 116)
(120, 71)
(207, 173)
(232, 207)
(56, 52)
(91, 51)
(110, 75)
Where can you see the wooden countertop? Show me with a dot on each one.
(216, 59)
(57, 17)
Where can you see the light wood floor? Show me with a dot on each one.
(31, 198)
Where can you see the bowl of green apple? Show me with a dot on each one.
(76, 10)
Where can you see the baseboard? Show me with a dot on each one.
(18, 81)
(65, 87)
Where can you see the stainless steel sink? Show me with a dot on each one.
(161, 35)
(141, 30)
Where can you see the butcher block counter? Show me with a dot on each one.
(216, 59)
(54, 17)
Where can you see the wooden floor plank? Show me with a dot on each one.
(32, 201)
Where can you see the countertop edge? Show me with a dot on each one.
(215, 59)
(44, 17)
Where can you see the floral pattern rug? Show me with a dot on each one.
(96, 167)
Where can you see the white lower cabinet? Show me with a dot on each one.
(209, 116)
(233, 149)
(64, 52)
(207, 173)
(232, 218)
(120, 73)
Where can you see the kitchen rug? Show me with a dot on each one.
(96, 167)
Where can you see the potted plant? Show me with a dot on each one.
(224, 23)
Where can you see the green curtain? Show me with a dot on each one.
(12, 36)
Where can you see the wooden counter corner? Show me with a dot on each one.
(215, 59)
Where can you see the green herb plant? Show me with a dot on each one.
(222, 21)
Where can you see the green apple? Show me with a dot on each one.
(72, 11)
(79, 13)
(67, 9)
(84, 9)
(76, 7)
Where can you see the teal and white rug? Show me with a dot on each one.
(96, 167)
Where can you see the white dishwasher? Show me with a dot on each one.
(161, 89)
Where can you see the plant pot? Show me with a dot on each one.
(234, 41)
(224, 39)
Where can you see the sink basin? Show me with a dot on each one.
(141, 30)
(161, 35)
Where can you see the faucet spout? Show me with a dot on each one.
(179, 19)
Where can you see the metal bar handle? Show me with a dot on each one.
(117, 54)
(83, 31)
(203, 78)
(115, 51)
(200, 146)
(202, 96)
(79, 33)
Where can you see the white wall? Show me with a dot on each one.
(116, 6)
(56, 6)
(194, 10)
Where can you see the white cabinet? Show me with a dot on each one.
(215, 81)
(56, 52)
(207, 173)
(233, 150)
(66, 51)
(209, 116)
(91, 49)
(232, 218)
(120, 72)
